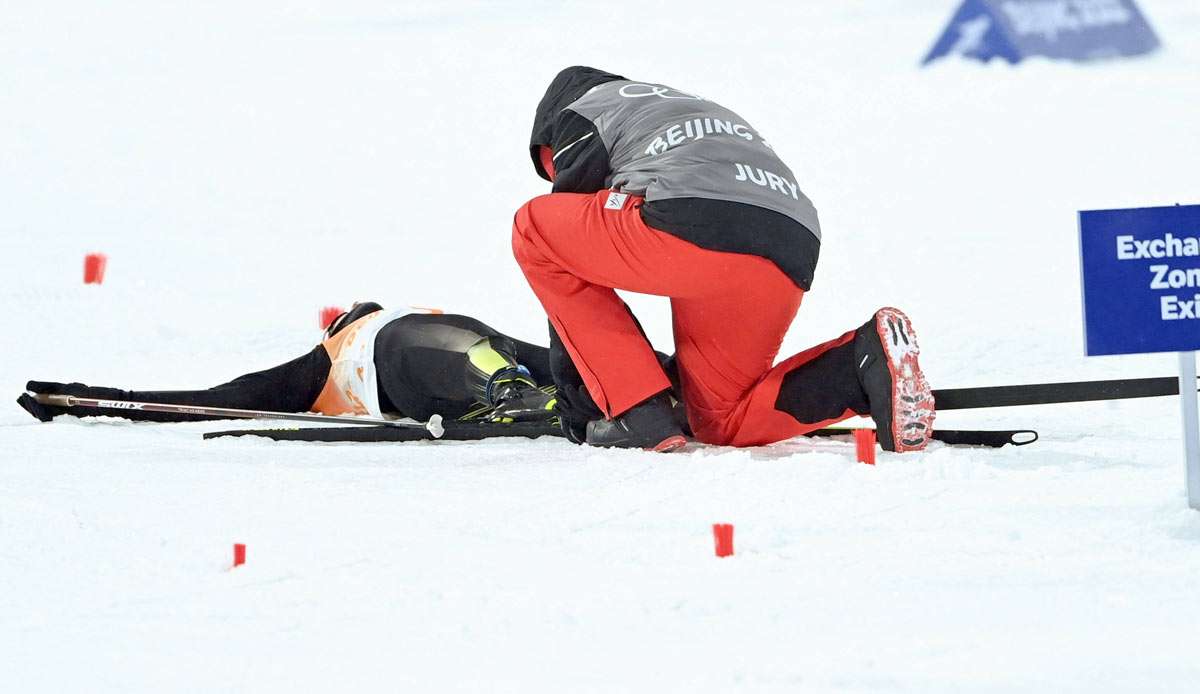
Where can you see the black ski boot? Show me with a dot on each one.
(505, 390)
(516, 398)
(650, 426)
(885, 350)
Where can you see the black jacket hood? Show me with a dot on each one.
(567, 86)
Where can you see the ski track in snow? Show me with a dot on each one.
(243, 167)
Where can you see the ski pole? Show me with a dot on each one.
(1048, 393)
(433, 426)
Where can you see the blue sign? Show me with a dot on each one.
(1141, 279)
(1069, 29)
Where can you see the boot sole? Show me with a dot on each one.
(671, 443)
(913, 409)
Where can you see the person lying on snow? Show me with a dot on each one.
(371, 362)
(658, 191)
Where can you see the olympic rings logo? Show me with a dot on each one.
(637, 91)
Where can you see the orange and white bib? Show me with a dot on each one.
(351, 387)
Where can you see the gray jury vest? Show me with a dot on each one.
(663, 143)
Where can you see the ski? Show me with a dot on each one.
(451, 431)
(988, 438)
(475, 431)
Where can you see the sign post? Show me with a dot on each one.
(1191, 433)
(1141, 293)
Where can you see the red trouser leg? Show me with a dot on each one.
(754, 420)
(573, 254)
(730, 311)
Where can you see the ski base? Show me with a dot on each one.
(452, 431)
(476, 431)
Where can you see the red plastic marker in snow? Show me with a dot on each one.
(723, 534)
(328, 314)
(93, 268)
(239, 554)
(864, 445)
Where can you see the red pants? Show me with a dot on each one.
(730, 312)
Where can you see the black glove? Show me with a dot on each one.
(575, 409)
(43, 412)
(47, 412)
(574, 404)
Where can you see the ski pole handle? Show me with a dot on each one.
(55, 400)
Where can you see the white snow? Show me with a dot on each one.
(244, 164)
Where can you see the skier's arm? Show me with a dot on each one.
(289, 387)
(581, 162)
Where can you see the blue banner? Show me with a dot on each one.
(1141, 279)
(1069, 29)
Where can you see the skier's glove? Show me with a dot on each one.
(43, 412)
(575, 409)
(47, 412)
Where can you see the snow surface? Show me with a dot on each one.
(244, 164)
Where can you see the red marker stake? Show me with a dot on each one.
(864, 445)
(723, 534)
(93, 268)
(239, 554)
(328, 314)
